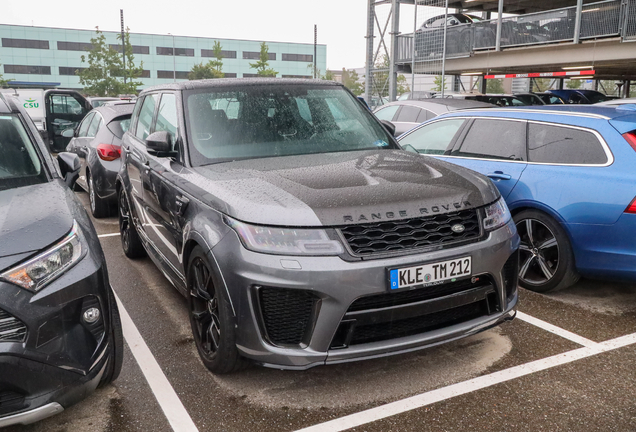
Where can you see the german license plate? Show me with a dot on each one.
(429, 274)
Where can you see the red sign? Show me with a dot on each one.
(542, 74)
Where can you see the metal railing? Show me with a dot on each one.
(600, 19)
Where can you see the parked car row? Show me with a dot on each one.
(300, 230)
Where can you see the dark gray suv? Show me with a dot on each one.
(300, 231)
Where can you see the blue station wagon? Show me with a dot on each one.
(568, 176)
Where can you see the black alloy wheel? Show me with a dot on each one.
(130, 241)
(546, 261)
(211, 318)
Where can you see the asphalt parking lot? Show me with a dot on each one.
(567, 363)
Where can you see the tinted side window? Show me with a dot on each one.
(95, 124)
(145, 116)
(84, 126)
(408, 114)
(495, 139)
(562, 145)
(425, 115)
(167, 115)
(434, 138)
(387, 113)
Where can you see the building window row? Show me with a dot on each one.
(168, 51)
(23, 69)
(297, 76)
(224, 54)
(140, 49)
(256, 55)
(25, 43)
(308, 58)
(136, 49)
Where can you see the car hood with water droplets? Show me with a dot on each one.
(334, 189)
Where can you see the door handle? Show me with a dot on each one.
(499, 175)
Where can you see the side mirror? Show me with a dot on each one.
(70, 167)
(390, 127)
(68, 133)
(159, 144)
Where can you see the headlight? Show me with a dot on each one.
(497, 215)
(39, 271)
(285, 241)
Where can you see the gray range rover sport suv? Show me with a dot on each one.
(299, 230)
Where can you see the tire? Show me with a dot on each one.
(116, 354)
(546, 260)
(99, 207)
(211, 318)
(130, 241)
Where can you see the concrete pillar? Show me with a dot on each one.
(483, 85)
(628, 83)
(499, 13)
(560, 84)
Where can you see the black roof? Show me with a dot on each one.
(237, 82)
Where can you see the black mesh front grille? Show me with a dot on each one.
(511, 274)
(416, 325)
(11, 328)
(287, 314)
(403, 235)
(415, 295)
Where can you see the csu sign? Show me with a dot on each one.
(31, 103)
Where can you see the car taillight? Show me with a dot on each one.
(631, 208)
(108, 152)
(630, 137)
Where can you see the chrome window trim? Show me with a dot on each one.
(606, 148)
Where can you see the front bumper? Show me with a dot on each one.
(334, 285)
(60, 359)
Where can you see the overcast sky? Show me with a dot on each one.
(341, 23)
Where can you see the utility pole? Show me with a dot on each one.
(315, 49)
(123, 44)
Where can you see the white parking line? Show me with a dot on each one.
(556, 330)
(469, 386)
(108, 235)
(168, 400)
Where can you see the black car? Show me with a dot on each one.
(60, 333)
(301, 233)
(97, 142)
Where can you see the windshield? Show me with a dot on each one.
(19, 161)
(278, 120)
(595, 97)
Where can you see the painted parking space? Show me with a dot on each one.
(542, 350)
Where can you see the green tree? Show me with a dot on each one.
(402, 86)
(329, 75)
(350, 80)
(105, 72)
(262, 65)
(438, 83)
(204, 71)
(494, 86)
(541, 84)
(573, 84)
(608, 87)
(211, 69)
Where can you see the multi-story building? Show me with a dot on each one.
(49, 57)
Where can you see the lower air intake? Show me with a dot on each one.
(287, 315)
